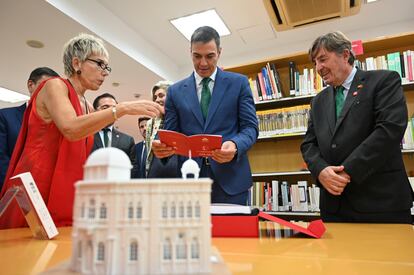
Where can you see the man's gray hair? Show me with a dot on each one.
(81, 46)
(333, 42)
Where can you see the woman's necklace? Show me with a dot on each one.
(83, 96)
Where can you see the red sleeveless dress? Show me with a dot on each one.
(54, 162)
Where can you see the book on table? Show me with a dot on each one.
(228, 208)
(33, 207)
(201, 145)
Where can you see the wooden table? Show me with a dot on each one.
(344, 249)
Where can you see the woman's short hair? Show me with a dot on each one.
(163, 84)
(333, 42)
(81, 46)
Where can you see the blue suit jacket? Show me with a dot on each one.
(231, 114)
(10, 123)
(138, 170)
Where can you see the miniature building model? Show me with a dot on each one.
(143, 226)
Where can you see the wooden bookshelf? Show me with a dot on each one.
(284, 102)
(281, 153)
(283, 136)
(272, 156)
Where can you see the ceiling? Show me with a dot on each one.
(145, 48)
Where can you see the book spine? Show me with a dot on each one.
(292, 78)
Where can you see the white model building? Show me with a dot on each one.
(143, 226)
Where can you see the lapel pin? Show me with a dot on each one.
(360, 86)
(355, 93)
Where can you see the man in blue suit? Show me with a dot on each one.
(138, 170)
(11, 120)
(212, 101)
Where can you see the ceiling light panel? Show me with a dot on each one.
(188, 24)
(7, 95)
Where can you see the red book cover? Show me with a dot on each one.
(199, 145)
(235, 226)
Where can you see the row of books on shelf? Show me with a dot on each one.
(284, 197)
(306, 83)
(403, 63)
(273, 230)
(283, 121)
(408, 140)
(267, 84)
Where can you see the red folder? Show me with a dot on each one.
(199, 145)
(248, 226)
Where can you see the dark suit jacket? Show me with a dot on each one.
(138, 171)
(10, 123)
(119, 140)
(365, 139)
(231, 114)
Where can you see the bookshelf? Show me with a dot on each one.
(278, 157)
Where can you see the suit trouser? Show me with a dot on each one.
(346, 213)
(218, 195)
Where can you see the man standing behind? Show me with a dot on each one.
(352, 145)
(141, 151)
(11, 120)
(109, 136)
(212, 101)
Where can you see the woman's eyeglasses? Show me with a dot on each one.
(101, 64)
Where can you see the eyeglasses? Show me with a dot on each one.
(101, 64)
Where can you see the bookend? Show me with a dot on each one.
(32, 206)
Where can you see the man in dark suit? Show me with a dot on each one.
(138, 171)
(352, 145)
(212, 101)
(11, 120)
(109, 136)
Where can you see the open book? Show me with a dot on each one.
(199, 145)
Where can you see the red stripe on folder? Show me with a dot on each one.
(315, 228)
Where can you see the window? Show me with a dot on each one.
(189, 210)
(133, 251)
(164, 210)
(181, 249)
(167, 249)
(173, 209)
(101, 252)
(130, 211)
(79, 249)
(102, 211)
(139, 211)
(181, 210)
(197, 210)
(195, 249)
(91, 214)
(83, 210)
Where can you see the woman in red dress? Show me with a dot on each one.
(58, 126)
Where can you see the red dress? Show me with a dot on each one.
(55, 163)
